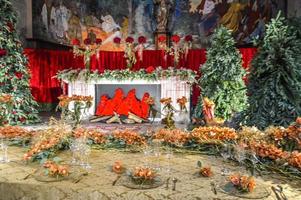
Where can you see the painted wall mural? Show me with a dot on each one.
(60, 21)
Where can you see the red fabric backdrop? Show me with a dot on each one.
(44, 64)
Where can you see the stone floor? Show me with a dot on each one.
(98, 184)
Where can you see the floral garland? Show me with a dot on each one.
(159, 73)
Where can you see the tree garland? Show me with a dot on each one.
(72, 75)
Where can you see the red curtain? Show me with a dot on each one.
(44, 64)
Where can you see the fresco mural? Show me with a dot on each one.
(60, 21)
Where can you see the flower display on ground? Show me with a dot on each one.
(143, 175)
(10, 132)
(54, 169)
(265, 150)
(295, 159)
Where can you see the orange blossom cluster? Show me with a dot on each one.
(182, 102)
(144, 173)
(166, 101)
(96, 135)
(118, 167)
(213, 134)
(265, 150)
(175, 136)
(55, 169)
(129, 137)
(243, 183)
(13, 132)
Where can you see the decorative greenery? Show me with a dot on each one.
(222, 76)
(275, 78)
(14, 75)
(122, 75)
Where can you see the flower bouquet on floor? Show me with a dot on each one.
(245, 187)
(52, 171)
(142, 178)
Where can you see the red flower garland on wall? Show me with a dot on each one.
(129, 40)
(175, 38)
(98, 41)
(142, 40)
(117, 40)
(162, 38)
(75, 42)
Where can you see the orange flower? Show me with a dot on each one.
(55, 169)
(144, 173)
(265, 150)
(94, 134)
(243, 183)
(14, 132)
(206, 172)
(295, 159)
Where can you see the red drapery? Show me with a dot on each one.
(44, 64)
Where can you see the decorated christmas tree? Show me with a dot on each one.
(275, 77)
(14, 75)
(222, 76)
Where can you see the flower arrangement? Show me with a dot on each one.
(175, 50)
(129, 137)
(143, 175)
(169, 109)
(80, 103)
(55, 170)
(152, 111)
(140, 47)
(243, 183)
(182, 103)
(129, 52)
(213, 134)
(117, 40)
(89, 49)
(118, 168)
(175, 137)
(93, 134)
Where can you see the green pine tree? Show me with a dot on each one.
(222, 75)
(275, 77)
(14, 75)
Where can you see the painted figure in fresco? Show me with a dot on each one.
(109, 24)
(233, 17)
(46, 12)
(62, 18)
(163, 14)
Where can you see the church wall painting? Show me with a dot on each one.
(60, 21)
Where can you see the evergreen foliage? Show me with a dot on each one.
(275, 77)
(222, 76)
(14, 75)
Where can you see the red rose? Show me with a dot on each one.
(98, 41)
(141, 40)
(117, 40)
(19, 75)
(175, 38)
(150, 69)
(129, 40)
(162, 38)
(75, 42)
(2, 52)
(87, 41)
(22, 119)
(188, 38)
